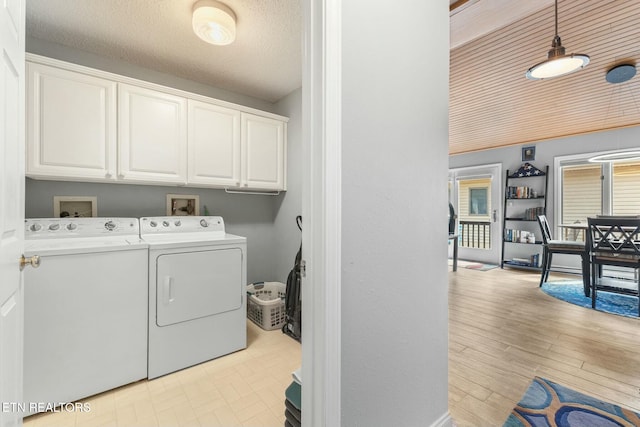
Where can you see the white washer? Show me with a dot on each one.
(197, 291)
(85, 321)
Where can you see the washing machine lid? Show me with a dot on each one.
(80, 245)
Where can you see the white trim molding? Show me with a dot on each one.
(321, 289)
(444, 421)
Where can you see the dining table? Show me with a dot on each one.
(574, 231)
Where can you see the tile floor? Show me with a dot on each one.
(245, 388)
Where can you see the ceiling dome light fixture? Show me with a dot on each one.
(214, 22)
(558, 63)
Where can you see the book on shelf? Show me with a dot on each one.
(535, 260)
(519, 236)
(532, 261)
(532, 213)
(521, 192)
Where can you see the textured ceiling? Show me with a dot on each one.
(263, 62)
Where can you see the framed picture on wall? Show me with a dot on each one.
(528, 153)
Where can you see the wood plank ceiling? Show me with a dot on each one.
(492, 104)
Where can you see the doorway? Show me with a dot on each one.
(474, 193)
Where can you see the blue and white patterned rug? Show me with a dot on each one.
(546, 403)
(572, 291)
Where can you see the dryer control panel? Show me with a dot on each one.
(181, 224)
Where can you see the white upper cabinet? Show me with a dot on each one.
(152, 136)
(263, 153)
(214, 145)
(91, 125)
(71, 125)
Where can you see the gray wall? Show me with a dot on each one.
(289, 204)
(246, 215)
(268, 222)
(546, 151)
(394, 115)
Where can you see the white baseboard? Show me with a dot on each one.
(444, 421)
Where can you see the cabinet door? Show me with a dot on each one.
(152, 136)
(263, 153)
(71, 125)
(214, 145)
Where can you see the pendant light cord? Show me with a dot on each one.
(556, 17)
(556, 40)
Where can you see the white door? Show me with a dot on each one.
(12, 125)
(477, 202)
(214, 145)
(263, 153)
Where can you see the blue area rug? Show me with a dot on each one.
(546, 403)
(572, 291)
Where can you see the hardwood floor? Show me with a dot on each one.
(503, 331)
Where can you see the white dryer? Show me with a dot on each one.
(85, 320)
(197, 291)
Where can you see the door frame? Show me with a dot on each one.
(494, 170)
(321, 208)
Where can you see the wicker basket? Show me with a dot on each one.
(265, 304)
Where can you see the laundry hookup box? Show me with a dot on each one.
(266, 304)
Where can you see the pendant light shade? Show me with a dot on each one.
(558, 63)
(214, 22)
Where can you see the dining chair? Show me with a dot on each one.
(569, 247)
(613, 241)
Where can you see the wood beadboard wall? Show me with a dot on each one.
(492, 104)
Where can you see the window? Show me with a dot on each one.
(474, 199)
(626, 189)
(589, 189)
(581, 192)
(478, 201)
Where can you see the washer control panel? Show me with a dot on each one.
(38, 228)
(182, 224)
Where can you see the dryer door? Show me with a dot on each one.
(192, 285)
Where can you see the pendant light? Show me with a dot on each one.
(558, 63)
